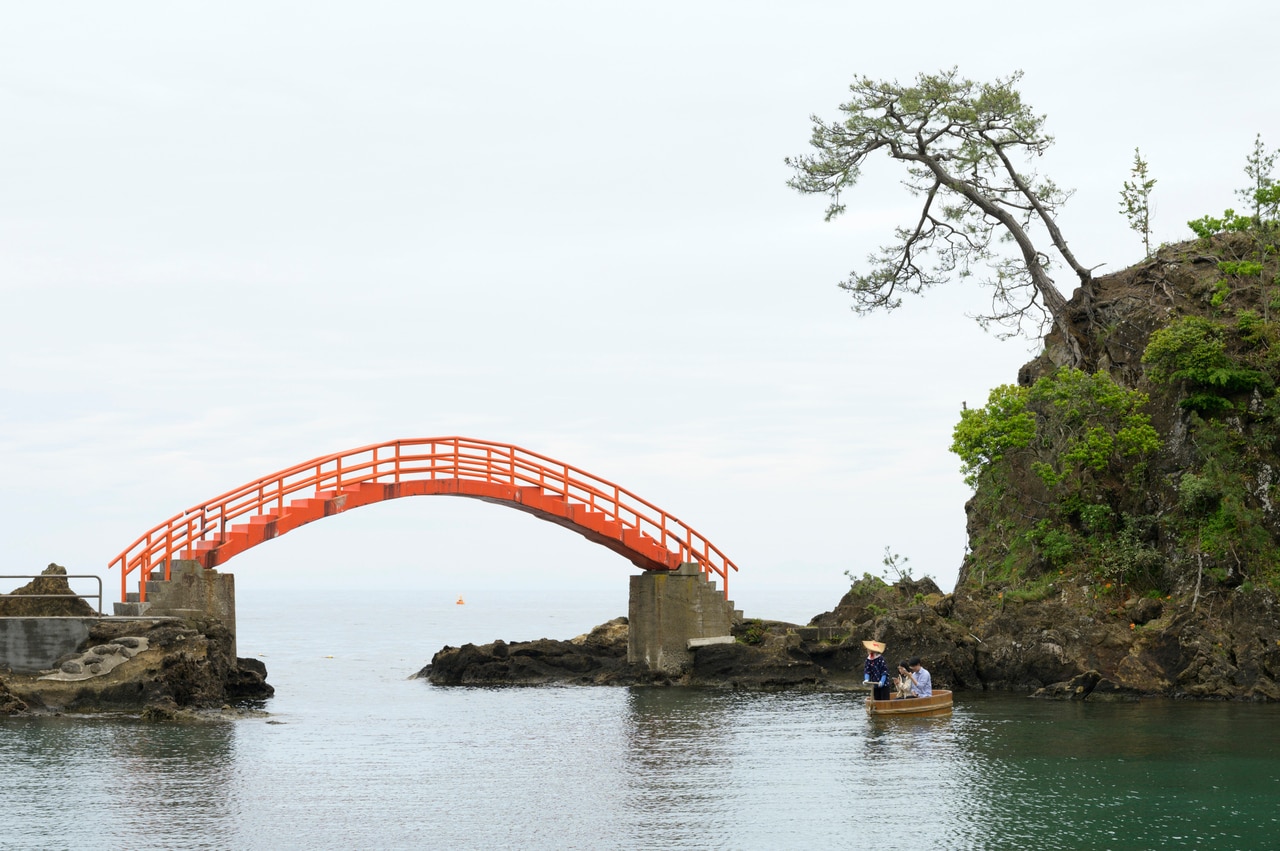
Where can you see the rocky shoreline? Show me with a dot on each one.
(600, 658)
(1069, 646)
(1076, 641)
(165, 670)
(161, 668)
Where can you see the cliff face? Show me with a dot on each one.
(1125, 535)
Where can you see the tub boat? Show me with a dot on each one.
(938, 703)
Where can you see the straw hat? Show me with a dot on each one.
(877, 646)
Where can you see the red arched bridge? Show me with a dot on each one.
(499, 473)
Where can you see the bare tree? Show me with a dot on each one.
(961, 142)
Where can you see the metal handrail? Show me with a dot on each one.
(434, 458)
(67, 576)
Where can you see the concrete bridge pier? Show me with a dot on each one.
(191, 591)
(671, 613)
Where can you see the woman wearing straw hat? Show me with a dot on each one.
(875, 671)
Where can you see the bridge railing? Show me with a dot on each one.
(409, 460)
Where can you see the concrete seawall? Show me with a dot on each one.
(31, 645)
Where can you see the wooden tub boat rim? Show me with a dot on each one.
(939, 700)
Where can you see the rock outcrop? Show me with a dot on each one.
(1068, 646)
(160, 667)
(775, 659)
(23, 603)
(596, 658)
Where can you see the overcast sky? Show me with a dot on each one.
(236, 236)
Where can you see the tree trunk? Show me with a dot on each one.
(1057, 307)
(1053, 300)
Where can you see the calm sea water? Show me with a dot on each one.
(354, 755)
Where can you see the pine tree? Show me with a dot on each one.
(1258, 167)
(1135, 200)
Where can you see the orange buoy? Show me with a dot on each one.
(461, 602)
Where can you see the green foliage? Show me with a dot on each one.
(1098, 518)
(1219, 574)
(1198, 495)
(755, 632)
(866, 584)
(1084, 435)
(1221, 290)
(1038, 589)
(1064, 483)
(1089, 443)
(1207, 227)
(1193, 350)
(1240, 268)
(1258, 166)
(1056, 545)
(1127, 557)
(1234, 527)
(895, 566)
(984, 435)
(1190, 348)
(1268, 200)
(961, 144)
(1253, 329)
(1135, 200)
(1220, 514)
(1096, 424)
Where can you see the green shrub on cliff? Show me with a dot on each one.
(1077, 426)
(1086, 440)
(1193, 350)
(1089, 426)
(1224, 495)
(1226, 375)
(984, 435)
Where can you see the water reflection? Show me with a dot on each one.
(120, 782)
(178, 778)
(676, 764)
(1140, 775)
(709, 768)
(356, 756)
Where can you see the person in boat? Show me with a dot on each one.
(902, 683)
(921, 681)
(875, 671)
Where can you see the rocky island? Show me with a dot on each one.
(1123, 533)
